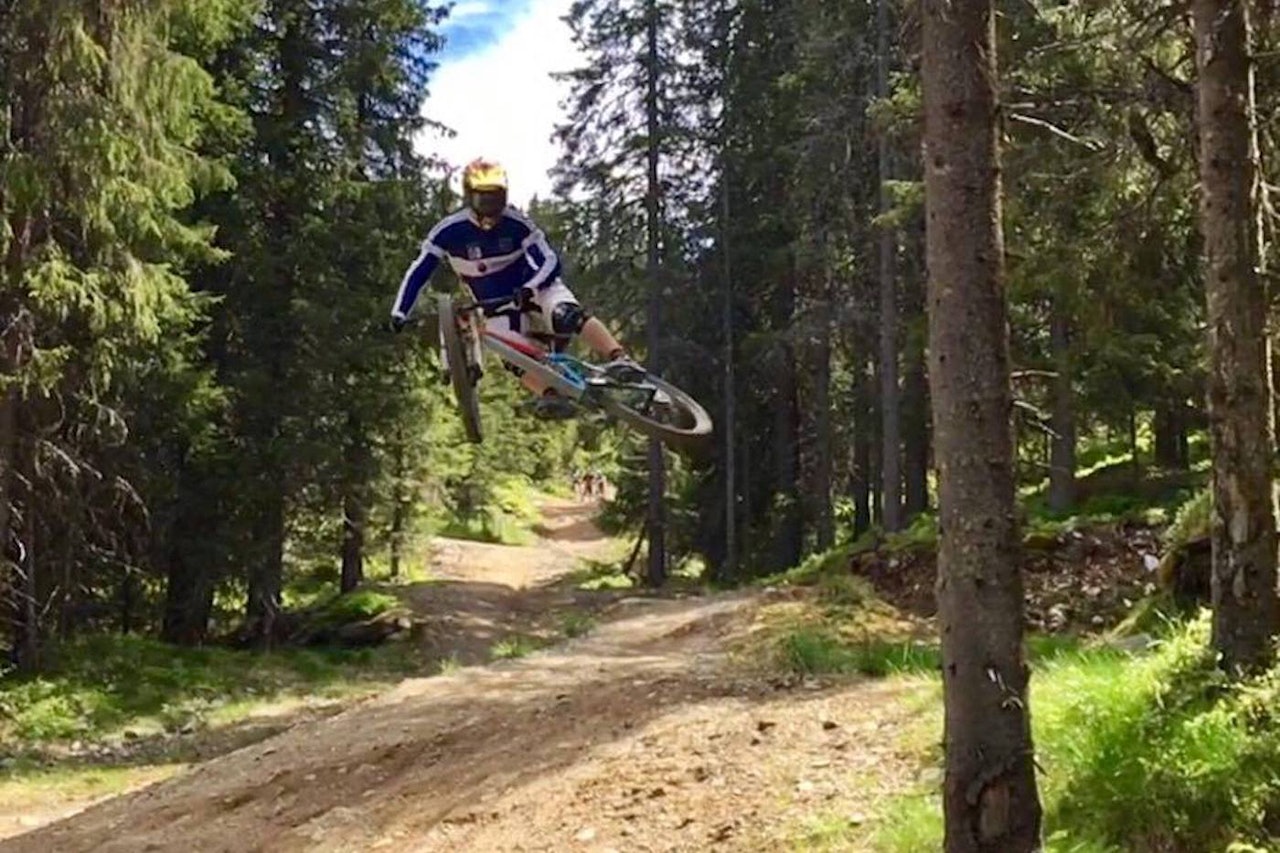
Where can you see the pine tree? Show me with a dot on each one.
(990, 799)
(1246, 613)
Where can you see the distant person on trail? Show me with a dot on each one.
(499, 253)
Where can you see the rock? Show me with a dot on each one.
(828, 725)
(932, 776)
(1136, 643)
(586, 835)
(764, 725)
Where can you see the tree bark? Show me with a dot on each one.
(1062, 444)
(890, 401)
(656, 520)
(353, 521)
(399, 509)
(730, 566)
(860, 487)
(990, 800)
(267, 570)
(1245, 614)
(822, 473)
(915, 385)
(1171, 436)
(355, 509)
(29, 634)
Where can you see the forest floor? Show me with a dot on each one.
(656, 730)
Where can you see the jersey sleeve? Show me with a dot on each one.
(538, 253)
(418, 274)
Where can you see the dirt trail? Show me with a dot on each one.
(637, 737)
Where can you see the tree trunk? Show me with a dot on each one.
(1171, 436)
(789, 526)
(915, 390)
(353, 521)
(822, 474)
(990, 800)
(1134, 453)
(860, 480)
(28, 639)
(266, 574)
(188, 602)
(355, 508)
(656, 521)
(1245, 614)
(730, 566)
(1062, 444)
(890, 402)
(399, 503)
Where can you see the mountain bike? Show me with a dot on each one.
(650, 405)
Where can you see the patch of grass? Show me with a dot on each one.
(25, 787)
(818, 651)
(359, 606)
(825, 832)
(1191, 521)
(491, 526)
(1141, 753)
(99, 686)
(846, 590)
(825, 564)
(508, 518)
(576, 624)
(594, 575)
(515, 647)
(449, 665)
(922, 534)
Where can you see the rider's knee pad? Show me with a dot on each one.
(568, 318)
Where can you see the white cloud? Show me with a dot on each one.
(501, 99)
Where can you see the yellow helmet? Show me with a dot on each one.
(484, 190)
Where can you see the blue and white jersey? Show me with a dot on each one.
(494, 262)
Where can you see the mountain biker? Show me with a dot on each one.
(500, 253)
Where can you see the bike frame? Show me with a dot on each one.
(565, 373)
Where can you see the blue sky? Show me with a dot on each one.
(474, 25)
(494, 87)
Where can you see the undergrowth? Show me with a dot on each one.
(101, 685)
(1148, 753)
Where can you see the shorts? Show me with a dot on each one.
(528, 327)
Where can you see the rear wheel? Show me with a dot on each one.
(464, 371)
(659, 410)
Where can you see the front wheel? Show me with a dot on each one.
(659, 410)
(463, 368)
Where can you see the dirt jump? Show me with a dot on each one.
(643, 735)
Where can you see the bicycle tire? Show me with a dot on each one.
(691, 437)
(464, 389)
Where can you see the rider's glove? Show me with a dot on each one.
(397, 323)
(525, 301)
